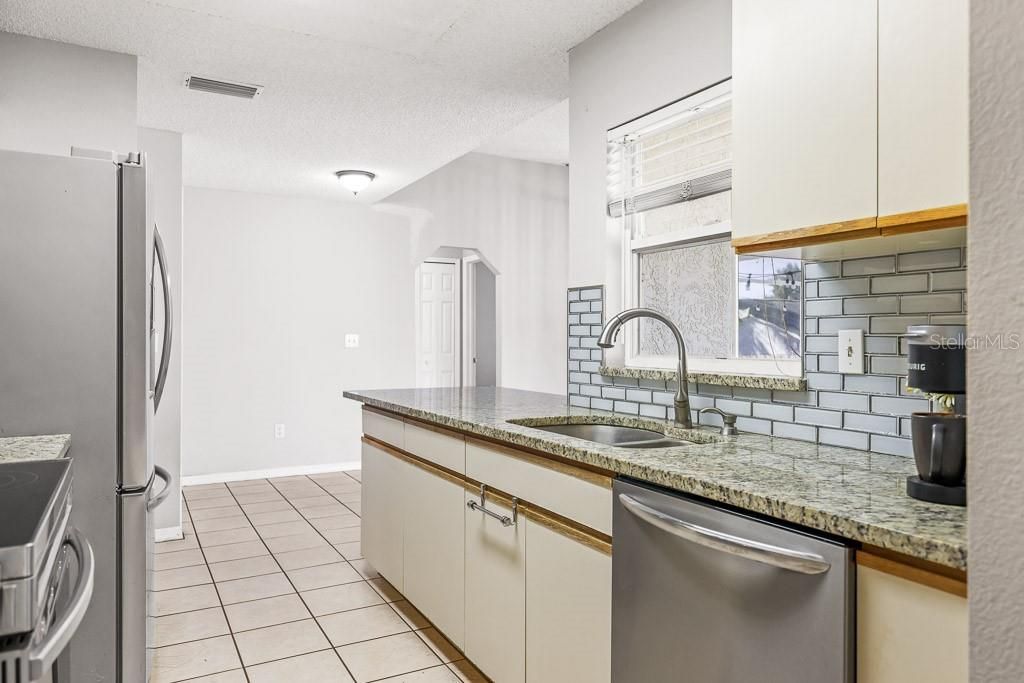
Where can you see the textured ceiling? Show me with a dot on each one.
(543, 137)
(399, 87)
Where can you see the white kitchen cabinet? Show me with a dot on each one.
(495, 593)
(922, 105)
(383, 484)
(907, 631)
(568, 608)
(434, 541)
(805, 99)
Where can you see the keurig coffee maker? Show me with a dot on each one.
(938, 365)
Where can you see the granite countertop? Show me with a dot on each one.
(45, 447)
(852, 494)
(720, 378)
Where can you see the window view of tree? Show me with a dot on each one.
(768, 294)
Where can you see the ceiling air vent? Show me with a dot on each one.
(222, 87)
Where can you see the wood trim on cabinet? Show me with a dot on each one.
(857, 228)
(939, 577)
(952, 216)
(552, 520)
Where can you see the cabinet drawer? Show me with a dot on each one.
(383, 428)
(440, 448)
(585, 500)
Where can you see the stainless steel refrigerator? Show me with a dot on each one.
(85, 334)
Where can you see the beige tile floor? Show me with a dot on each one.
(269, 585)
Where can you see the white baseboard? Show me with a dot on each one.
(221, 477)
(171, 533)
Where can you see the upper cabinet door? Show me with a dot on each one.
(805, 99)
(922, 105)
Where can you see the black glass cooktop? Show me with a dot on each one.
(26, 491)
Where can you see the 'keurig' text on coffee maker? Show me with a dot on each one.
(938, 365)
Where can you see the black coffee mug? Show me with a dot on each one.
(940, 447)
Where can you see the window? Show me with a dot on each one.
(669, 193)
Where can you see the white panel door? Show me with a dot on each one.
(804, 113)
(437, 318)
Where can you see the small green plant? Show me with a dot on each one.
(943, 402)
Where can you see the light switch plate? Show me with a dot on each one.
(351, 341)
(851, 352)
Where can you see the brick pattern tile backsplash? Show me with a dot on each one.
(879, 295)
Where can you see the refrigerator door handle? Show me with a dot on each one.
(168, 480)
(45, 653)
(165, 353)
(783, 558)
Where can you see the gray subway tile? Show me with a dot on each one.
(896, 324)
(574, 365)
(905, 426)
(590, 366)
(773, 411)
(819, 307)
(579, 401)
(788, 430)
(579, 377)
(753, 425)
(845, 287)
(879, 424)
(888, 365)
(658, 384)
(881, 344)
(698, 402)
(797, 397)
(711, 419)
(752, 393)
(811, 326)
(828, 363)
(833, 325)
(614, 393)
(870, 384)
(897, 284)
(639, 395)
(590, 294)
(590, 390)
(600, 379)
(930, 260)
(810, 363)
(948, 319)
(871, 304)
(821, 344)
(821, 380)
(898, 406)
(590, 318)
(574, 342)
(626, 381)
(601, 404)
(589, 342)
(715, 390)
(579, 307)
(579, 330)
(840, 401)
(574, 319)
(648, 410)
(891, 445)
(869, 266)
(733, 406)
(822, 269)
(839, 437)
(811, 290)
(596, 306)
(949, 302)
(575, 389)
(815, 416)
(574, 295)
(627, 407)
(597, 354)
(663, 398)
(579, 354)
(949, 279)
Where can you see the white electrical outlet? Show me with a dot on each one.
(279, 431)
(851, 352)
(351, 341)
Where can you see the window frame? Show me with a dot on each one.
(632, 249)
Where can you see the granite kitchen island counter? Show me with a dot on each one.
(45, 447)
(853, 494)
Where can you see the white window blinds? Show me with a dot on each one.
(675, 155)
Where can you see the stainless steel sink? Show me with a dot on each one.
(615, 435)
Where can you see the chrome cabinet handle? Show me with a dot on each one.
(165, 353)
(160, 497)
(481, 506)
(46, 651)
(765, 553)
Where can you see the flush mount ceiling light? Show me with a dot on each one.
(355, 181)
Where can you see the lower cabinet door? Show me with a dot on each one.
(435, 550)
(496, 594)
(382, 518)
(568, 609)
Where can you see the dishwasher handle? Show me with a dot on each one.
(783, 558)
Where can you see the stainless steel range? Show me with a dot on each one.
(39, 611)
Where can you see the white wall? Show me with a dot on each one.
(657, 53)
(271, 286)
(163, 161)
(514, 212)
(995, 378)
(54, 95)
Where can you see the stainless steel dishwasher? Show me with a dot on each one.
(708, 595)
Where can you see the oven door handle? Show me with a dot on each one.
(783, 558)
(44, 653)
